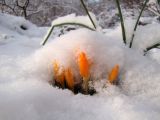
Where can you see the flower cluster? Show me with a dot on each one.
(64, 77)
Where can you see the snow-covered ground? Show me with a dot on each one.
(26, 68)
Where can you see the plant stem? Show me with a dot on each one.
(122, 22)
(84, 6)
(135, 27)
(57, 25)
(153, 46)
(47, 36)
(85, 85)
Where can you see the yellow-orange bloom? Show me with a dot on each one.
(113, 75)
(69, 79)
(58, 75)
(55, 68)
(83, 64)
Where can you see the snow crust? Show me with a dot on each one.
(26, 69)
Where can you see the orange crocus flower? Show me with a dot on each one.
(69, 79)
(84, 69)
(113, 75)
(83, 64)
(58, 75)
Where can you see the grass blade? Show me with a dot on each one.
(135, 27)
(47, 36)
(122, 22)
(151, 47)
(62, 24)
(84, 6)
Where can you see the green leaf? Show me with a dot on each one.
(136, 25)
(84, 6)
(122, 21)
(62, 24)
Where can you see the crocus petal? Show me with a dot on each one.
(69, 79)
(58, 75)
(83, 64)
(113, 75)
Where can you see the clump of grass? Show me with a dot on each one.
(93, 29)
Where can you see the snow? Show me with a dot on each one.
(26, 68)
(145, 36)
(72, 18)
(152, 1)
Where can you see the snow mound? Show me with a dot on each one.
(18, 24)
(72, 18)
(136, 71)
(139, 75)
